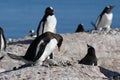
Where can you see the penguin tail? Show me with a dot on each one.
(92, 23)
(15, 56)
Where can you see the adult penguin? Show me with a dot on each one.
(90, 58)
(40, 48)
(104, 20)
(2, 42)
(48, 22)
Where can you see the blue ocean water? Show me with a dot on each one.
(17, 17)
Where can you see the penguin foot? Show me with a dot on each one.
(51, 62)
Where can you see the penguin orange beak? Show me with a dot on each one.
(59, 49)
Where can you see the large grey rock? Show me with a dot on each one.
(74, 48)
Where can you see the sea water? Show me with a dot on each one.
(18, 17)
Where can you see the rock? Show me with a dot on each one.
(74, 48)
(2, 70)
(76, 72)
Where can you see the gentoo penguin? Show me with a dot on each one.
(104, 20)
(40, 48)
(90, 58)
(2, 41)
(80, 28)
(48, 22)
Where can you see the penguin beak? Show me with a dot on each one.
(53, 10)
(112, 6)
(59, 49)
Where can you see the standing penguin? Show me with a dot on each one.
(90, 58)
(2, 41)
(48, 22)
(104, 20)
(40, 48)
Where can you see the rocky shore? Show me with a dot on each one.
(74, 48)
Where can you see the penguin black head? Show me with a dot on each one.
(108, 9)
(91, 50)
(49, 11)
(59, 43)
(1, 30)
(59, 39)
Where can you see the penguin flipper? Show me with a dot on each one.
(15, 56)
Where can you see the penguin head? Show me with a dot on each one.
(80, 28)
(1, 30)
(109, 8)
(91, 50)
(49, 11)
(59, 38)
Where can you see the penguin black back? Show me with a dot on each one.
(90, 57)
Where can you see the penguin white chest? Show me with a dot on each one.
(106, 20)
(48, 50)
(2, 43)
(50, 24)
